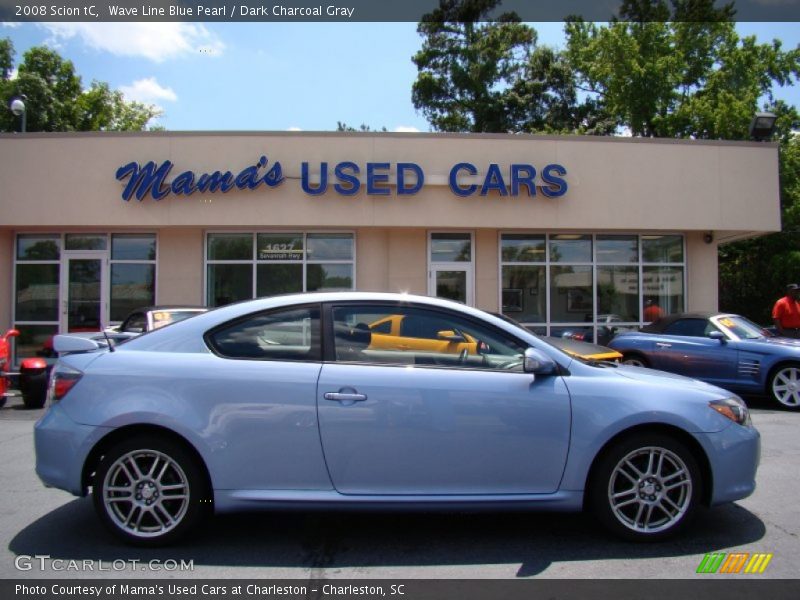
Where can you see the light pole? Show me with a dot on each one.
(762, 126)
(17, 106)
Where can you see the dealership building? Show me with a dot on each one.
(558, 232)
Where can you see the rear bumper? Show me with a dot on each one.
(61, 449)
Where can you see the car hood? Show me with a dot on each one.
(656, 377)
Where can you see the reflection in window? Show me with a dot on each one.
(617, 249)
(85, 241)
(570, 294)
(33, 340)
(284, 262)
(451, 247)
(618, 292)
(280, 335)
(133, 246)
(522, 247)
(38, 247)
(570, 248)
(523, 295)
(662, 248)
(133, 285)
(37, 292)
(662, 291)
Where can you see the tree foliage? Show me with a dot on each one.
(479, 73)
(56, 100)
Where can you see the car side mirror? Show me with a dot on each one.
(719, 336)
(537, 363)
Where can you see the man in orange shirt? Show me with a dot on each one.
(652, 311)
(786, 313)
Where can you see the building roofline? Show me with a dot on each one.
(385, 134)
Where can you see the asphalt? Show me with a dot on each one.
(36, 522)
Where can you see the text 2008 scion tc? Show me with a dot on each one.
(317, 400)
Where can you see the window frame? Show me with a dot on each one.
(318, 342)
(254, 261)
(547, 326)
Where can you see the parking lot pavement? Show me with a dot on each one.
(36, 522)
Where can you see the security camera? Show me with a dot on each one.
(708, 237)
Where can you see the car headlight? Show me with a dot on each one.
(733, 408)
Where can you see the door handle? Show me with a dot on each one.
(346, 396)
(663, 345)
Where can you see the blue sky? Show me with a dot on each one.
(272, 76)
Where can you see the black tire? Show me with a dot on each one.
(636, 360)
(783, 386)
(150, 507)
(33, 385)
(657, 498)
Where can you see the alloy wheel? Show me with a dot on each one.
(650, 490)
(146, 493)
(786, 386)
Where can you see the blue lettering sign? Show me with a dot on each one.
(402, 189)
(523, 175)
(323, 179)
(148, 178)
(457, 189)
(494, 181)
(556, 185)
(351, 179)
(373, 179)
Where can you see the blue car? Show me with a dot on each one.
(295, 402)
(723, 349)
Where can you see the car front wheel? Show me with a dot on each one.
(149, 491)
(784, 386)
(635, 360)
(646, 488)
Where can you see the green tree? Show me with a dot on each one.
(56, 100)
(469, 66)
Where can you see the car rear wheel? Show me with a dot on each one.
(646, 488)
(635, 360)
(784, 386)
(33, 386)
(149, 491)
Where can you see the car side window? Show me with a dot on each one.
(690, 327)
(135, 323)
(427, 337)
(292, 334)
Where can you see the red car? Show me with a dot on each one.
(32, 374)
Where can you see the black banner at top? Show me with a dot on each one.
(340, 10)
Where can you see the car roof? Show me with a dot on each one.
(664, 322)
(175, 307)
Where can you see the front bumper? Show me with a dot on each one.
(62, 446)
(734, 454)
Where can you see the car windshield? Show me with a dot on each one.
(743, 328)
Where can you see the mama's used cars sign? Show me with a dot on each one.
(345, 178)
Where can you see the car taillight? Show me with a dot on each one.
(62, 380)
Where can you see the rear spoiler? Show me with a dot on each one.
(70, 344)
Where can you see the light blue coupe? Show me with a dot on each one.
(722, 349)
(298, 402)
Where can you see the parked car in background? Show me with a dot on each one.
(283, 402)
(34, 378)
(723, 349)
(607, 326)
(573, 347)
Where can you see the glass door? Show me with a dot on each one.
(453, 282)
(83, 292)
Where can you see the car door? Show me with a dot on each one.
(433, 422)
(686, 349)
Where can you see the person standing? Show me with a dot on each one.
(786, 313)
(652, 311)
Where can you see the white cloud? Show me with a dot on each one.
(406, 129)
(11, 24)
(155, 41)
(294, 129)
(148, 91)
(13, 74)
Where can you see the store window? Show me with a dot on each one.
(241, 266)
(55, 270)
(590, 287)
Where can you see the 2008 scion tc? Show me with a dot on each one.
(287, 402)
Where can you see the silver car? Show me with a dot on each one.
(380, 400)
